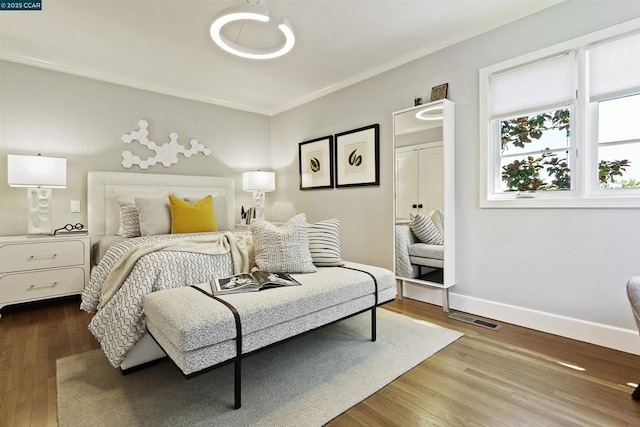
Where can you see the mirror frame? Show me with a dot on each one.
(448, 144)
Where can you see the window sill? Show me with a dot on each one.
(541, 201)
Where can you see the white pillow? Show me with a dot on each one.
(425, 230)
(437, 216)
(154, 216)
(283, 249)
(324, 243)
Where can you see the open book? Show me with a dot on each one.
(256, 281)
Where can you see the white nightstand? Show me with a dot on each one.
(35, 268)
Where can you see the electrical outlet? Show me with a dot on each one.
(74, 206)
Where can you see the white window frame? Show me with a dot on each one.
(585, 192)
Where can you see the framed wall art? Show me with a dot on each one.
(358, 157)
(439, 92)
(316, 163)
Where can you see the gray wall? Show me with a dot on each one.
(580, 266)
(83, 120)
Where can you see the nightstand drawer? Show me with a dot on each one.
(41, 284)
(37, 255)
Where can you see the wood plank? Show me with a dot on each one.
(487, 378)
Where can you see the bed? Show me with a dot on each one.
(119, 324)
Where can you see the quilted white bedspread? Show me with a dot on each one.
(121, 323)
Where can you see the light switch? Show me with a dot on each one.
(75, 206)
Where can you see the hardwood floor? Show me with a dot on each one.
(509, 377)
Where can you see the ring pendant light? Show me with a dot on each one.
(252, 13)
(424, 114)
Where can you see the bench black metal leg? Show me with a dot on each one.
(636, 393)
(237, 383)
(373, 324)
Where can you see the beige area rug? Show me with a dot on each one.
(307, 381)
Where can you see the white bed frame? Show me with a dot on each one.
(102, 205)
(104, 219)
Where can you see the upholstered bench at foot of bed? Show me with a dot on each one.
(198, 332)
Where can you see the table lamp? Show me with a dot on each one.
(259, 182)
(39, 174)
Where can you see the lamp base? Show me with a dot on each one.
(258, 198)
(39, 210)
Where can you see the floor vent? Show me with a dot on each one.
(469, 319)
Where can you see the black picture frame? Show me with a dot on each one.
(357, 154)
(315, 163)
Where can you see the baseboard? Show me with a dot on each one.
(626, 340)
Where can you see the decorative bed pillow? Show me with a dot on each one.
(425, 230)
(437, 216)
(154, 216)
(129, 222)
(197, 218)
(324, 243)
(219, 210)
(283, 249)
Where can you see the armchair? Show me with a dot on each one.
(633, 292)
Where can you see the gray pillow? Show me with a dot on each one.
(283, 249)
(425, 230)
(129, 222)
(324, 243)
(154, 216)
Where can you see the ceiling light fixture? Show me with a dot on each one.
(250, 12)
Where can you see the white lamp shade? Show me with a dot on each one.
(36, 171)
(259, 181)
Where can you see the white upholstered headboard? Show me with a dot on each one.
(102, 206)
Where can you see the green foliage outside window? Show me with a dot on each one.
(524, 175)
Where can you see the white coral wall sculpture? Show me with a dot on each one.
(167, 153)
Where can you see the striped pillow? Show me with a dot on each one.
(324, 243)
(425, 230)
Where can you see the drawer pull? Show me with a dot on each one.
(38, 257)
(42, 286)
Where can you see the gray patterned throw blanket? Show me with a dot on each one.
(134, 268)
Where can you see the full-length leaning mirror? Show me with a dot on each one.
(424, 147)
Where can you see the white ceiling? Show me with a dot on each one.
(164, 45)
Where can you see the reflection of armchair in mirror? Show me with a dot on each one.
(424, 197)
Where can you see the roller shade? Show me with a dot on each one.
(534, 86)
(614, 68)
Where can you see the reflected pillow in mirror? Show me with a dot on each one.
(425, 230)
(437, 216)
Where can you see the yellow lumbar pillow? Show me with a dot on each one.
(186, 218)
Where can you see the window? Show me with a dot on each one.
(561, 127)
(618, 142)
(535, 152)
(614, 87)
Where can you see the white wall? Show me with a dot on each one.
(83, 120)
(571, 282)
